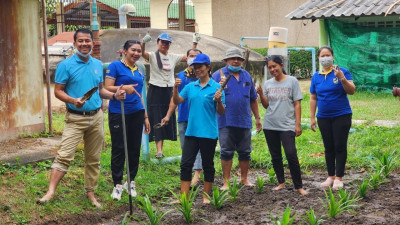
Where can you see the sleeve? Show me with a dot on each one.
(61, 76)
(223, 98)
(253, 93)
(176, 58)
(347, 74)
(152, 57)
(312, 86)
(216, 76)
(184, 92)
(297, 95)
(111, 71)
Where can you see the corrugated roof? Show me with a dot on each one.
(317, 9)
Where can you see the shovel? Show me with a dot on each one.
(126, 157)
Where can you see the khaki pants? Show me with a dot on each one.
(90, 128)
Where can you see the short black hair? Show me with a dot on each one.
(129, 43)
(193, 49)
(325, 47)
(276, 59)
(85, 31)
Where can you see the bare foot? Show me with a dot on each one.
(247, 183)
(224, 187)
(93, 199)
(47, 197)
(205, 200)
(279, 187)
(302, 191)
(195, 180)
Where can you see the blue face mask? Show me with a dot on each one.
(235, 69)
(83, 55)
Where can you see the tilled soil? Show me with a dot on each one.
(381, 206)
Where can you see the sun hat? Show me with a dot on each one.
(201, 59)
(165, 37)
(233, 53)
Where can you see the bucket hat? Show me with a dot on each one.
(232, 53)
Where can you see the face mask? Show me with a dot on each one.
(234, 69)
(83, 55)
(326, 61)
(190, 61)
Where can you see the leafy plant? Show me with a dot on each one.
(376, 179)
(286, 219)
(384, 160)
(234, 188)
(347, 198)
(127, 218)
(311, 218)
(334, 207)
(154, 216)
(185, 203)
(363, 187)
(218, 198)
(272, 175)
(260, 184)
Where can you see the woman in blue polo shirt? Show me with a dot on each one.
(204, 100)
(125, 72)
(329, 89)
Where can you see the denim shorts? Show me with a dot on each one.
(233, 139)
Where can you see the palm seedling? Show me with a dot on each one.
(154, 216)
(260, 184)
(311, 218)
(334, 207)
(363, 187)
(185, 203)
(347, 198)
(234, 189)
(376, 179)
(286, 219)
(384, 160)
(271, 175)
(218, 198)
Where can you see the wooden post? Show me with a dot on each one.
(182, 15)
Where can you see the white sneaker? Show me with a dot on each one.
(133, 188)
(117, 192)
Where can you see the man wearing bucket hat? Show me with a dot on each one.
(235, 124)
(162, 65)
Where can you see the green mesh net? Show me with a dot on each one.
(372, 54)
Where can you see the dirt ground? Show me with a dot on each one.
(381, 206)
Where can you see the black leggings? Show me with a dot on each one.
(335, 132)
(191, 147)
(287, 138)
(134, 129)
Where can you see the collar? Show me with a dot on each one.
(197, 83)
(79, 60)
(133, 69)
(325, 73)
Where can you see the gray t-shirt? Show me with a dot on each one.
(282, 95)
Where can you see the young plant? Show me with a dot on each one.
(154, 216)
(260, 184)
(218, 198)
(311, 218)
(271, 175)
(384, 160)
(347, 199)
(376, 179)
(334, 207)
(126, 219)
(286, 219)
(363, 187)
(234, 189)
(185, 203)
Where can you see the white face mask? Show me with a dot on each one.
(190, 61)
(83, 55)
(326, 61)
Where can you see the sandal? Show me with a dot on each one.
(160, 155)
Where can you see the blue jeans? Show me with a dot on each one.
(182, 130)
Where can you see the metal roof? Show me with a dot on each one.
(319, 9)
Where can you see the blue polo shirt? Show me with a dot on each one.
(238, 95)
(202, 120)
(332, 100)
(122, 74)
(183, 108)
(78, 78)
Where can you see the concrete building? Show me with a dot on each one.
(232, 19)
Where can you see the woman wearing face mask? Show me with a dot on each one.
(126, 73)
(329, 89)
(282, 121)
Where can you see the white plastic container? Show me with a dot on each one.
(278, 34)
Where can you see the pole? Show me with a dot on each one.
(46, 67)
(128, 177)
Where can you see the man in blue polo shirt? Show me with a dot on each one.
(74, 77)
(235, 124)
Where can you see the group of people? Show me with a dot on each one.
(211, 107)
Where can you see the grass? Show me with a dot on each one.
(21, 186)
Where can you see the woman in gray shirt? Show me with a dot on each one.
(282, 99)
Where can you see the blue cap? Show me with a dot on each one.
(201, 59)
(165, 37)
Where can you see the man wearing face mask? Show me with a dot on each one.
(235, 124)
(187, 76)
(159, 94)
